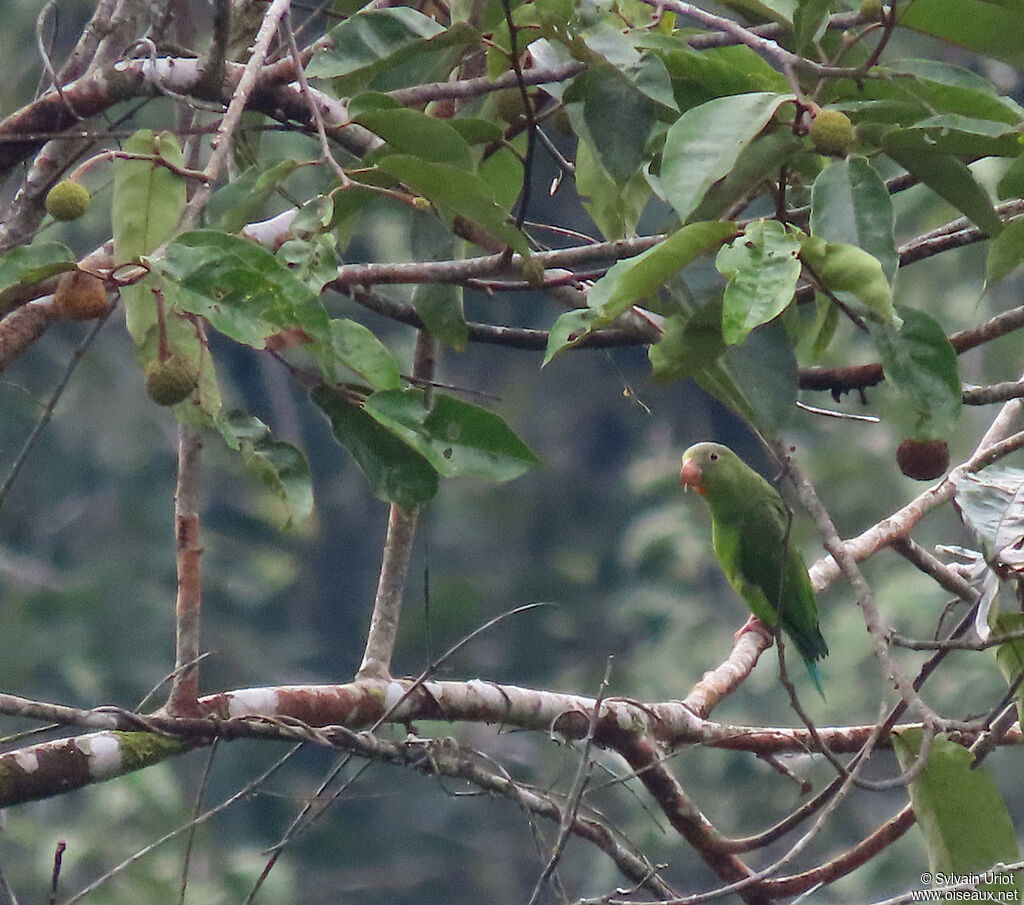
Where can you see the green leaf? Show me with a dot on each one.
(947, 176)
(568, 329)
(614, 208)
(851, 273)
(850, 203)
(758, 379)
(689, 343)
(383, 42)
(959, 810)
(359, 350)
(781, 11)
(964, 136)
(1010, 654)
(281, 467)
(147, 205)
(986, 28)
(632, 279)
(148, 197)
(946, 88)
(241, 200)
(440, 307)
(620, 141)
(809, 21)
(921, 365)
(1011, 184)
(762, 267)
(242, 289)
(456, 193)
(503, 172)
(397, 473)
(1005, 253)
(705, 142)
(27, 265)
(412, 132)
(699, 76)
(455, 437)
(759, 162)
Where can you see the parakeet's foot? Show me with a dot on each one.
(753, 624)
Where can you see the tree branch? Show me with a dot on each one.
(387, 606)
(184, 693)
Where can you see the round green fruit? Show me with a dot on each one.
(871, 9)
(67, 200)
(170, 381)
(832, 133)
(508, 105)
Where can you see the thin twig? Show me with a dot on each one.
(575, 797)
(47, 415)
(182, 700)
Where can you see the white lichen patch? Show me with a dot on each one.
(104, 755)
(253, 702)
(393, 692)
(27, 760)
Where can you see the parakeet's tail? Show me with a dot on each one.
(812, 669)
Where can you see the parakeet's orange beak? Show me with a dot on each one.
(691, 476)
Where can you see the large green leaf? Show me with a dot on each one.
(758, 163)
(413, 132)
(440, 307)
(1005, 253)
(809, 21)
(281, 467)
(242, 289)
(614, 208)
(1010, 654)
(359, 350)
(27, 265)
(945, 175)
(700, 75)
(378, 42)
(1011, 183)
(850, 203)
(960, 812)
(689, 343)
(990, 29)
(455, 437)
(853, 275)
(757, 379)
(148, 202)
(964, 136)
(703, 145)
(632, 279)
(620, 141)
(946, 88)
(240, 201)
(396, 472)
(456, 193)
(921, 365)
(762, 267)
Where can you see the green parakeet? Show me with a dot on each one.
(750, 535)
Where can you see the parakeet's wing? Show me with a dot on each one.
(770, 559)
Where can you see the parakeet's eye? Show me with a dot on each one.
(714, 457)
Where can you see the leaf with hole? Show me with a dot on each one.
(762, 267)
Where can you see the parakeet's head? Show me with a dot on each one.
(708, 467)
